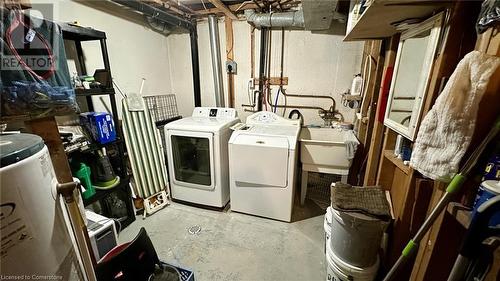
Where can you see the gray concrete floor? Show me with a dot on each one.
(234, 246)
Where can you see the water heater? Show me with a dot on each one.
(35, 241)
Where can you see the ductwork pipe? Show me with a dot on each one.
(213, 29)
(159, 26)
(284, 19)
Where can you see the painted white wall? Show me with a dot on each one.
(319, 64)
(134, 50)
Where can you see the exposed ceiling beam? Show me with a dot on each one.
(224, 9)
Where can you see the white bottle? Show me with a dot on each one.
(357, 83)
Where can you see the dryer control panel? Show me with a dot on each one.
(215, 112)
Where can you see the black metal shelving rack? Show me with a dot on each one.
(78, 35)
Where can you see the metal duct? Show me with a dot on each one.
(159, 26)
(213, 28)
(284, 19)
(195, 64)
(159, 14)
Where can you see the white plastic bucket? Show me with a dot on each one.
(327, 225)
(356, 238)
(338, 270)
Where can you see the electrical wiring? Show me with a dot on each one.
(276, 100)
(19, 21)
(243, 4)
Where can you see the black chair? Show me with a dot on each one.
(133, 261)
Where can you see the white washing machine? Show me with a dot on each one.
(197, 156)
(263, 161)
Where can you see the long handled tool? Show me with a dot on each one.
(453, 187)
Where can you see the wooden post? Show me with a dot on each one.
(230, 56)
(377, 135)
(46, 128)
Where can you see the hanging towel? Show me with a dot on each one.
(351, 144)
(446, 131)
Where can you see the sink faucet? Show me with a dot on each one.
(331, 115)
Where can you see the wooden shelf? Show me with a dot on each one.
(389, 154)
(376, 20)
(460, 213)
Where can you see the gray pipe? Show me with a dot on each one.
(284, 19)
(213, 29)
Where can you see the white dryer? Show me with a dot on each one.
(198, 157)
(263, 161)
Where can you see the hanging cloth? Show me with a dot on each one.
(447, 129)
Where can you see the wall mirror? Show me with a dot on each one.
(412, 68)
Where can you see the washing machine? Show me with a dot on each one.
(197, 156)
(263, 166)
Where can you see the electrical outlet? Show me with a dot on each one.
(231, 67)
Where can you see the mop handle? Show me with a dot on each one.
(452, 188)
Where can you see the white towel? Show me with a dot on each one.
(446, 131)
(351, 144)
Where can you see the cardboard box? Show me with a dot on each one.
(100, 125)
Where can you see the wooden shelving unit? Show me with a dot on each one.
(377, 19)
(389, 154)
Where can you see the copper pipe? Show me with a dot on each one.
(296, 106)
(334, 104)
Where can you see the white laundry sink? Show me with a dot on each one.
(323, 150)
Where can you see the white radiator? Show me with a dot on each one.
(145, 150)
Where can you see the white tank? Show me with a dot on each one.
(34, 239)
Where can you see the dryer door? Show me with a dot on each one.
(191, 159)
(260, 160)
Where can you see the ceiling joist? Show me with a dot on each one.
(224, 9)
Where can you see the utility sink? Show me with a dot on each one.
(323, 150)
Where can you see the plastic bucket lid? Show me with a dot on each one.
(491, 186)
(345, 269)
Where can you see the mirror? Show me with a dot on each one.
(413, 65)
